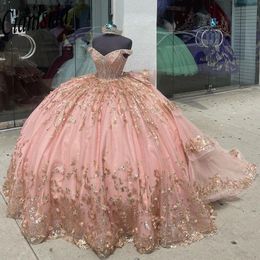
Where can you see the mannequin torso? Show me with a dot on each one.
(107, 43)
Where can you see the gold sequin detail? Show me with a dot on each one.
(226, 187)
(199, 144)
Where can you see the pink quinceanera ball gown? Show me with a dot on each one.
(106, 158)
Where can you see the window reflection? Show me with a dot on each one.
(206, 45)
(43, 43)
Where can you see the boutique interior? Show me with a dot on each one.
(206, 45)
(43, 43)
(201, 45)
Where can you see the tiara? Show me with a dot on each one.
(111, 29)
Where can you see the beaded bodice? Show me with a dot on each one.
(111, 65)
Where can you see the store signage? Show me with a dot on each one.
(13, 15)
(209, 37)
(31, 42)
(31, 22)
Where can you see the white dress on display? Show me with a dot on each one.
(80, 64)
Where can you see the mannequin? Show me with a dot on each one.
(111, 40)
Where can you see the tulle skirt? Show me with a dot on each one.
(173, 56)
(100, 162)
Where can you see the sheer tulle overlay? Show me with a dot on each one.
(105, 159)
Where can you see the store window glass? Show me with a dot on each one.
(206, 45)
(43, 43)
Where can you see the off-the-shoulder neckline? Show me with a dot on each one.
(126, 50)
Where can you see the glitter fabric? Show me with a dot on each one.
(106, 159)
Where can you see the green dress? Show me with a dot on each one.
(173, 57)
